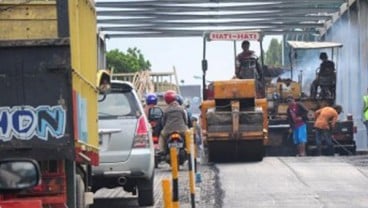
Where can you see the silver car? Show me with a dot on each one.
(126, 146)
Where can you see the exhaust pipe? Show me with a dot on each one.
(122, 180)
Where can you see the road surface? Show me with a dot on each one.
(276, 182)
(282, 182)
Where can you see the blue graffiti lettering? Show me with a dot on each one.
(50, 120)
(26, 122)
(5, 131)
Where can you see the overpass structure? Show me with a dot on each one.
(168, 18)
(344, 21)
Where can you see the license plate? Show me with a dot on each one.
(175, 145)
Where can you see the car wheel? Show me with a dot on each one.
(146, 192)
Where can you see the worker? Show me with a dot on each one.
(325, 121)
(247, 67)
(365, 112)
(174, 120)
(326, 71)
(244, 61)
(197, 133)
(297, 117)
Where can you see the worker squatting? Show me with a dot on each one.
(25, 122)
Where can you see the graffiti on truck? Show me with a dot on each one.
(26, 122)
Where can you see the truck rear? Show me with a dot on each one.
(48, 110)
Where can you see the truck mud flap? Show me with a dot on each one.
(235, 150)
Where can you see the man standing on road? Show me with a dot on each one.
(297, 117)
(365, 112)
(325, 121)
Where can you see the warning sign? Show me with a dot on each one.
(234, 35)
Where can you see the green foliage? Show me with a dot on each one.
(274, 53)
(131, 61)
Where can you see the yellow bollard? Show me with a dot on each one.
(166, 193)
(189, 149)
(174, 170)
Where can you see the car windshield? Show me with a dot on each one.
(117, 104)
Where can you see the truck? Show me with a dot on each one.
(234, 116)
(298, 86)
(48, 113)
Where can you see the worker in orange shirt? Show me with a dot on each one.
(325, 121)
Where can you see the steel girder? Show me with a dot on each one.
(182, 18)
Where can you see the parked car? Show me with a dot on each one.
(126, 147)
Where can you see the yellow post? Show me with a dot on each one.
(174, 170)
(166, 193)
(189, 149)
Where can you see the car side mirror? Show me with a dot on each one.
(18, 174)
(155, 113)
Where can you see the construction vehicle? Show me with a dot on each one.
(280, 142)
(48, 113)
(233, 119)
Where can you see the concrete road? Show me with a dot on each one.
(282, 182)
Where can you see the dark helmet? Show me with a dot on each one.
(170, 96)
(151, 99)
(323, 55)
(180, 99)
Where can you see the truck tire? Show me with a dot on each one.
(80, 189)
(146, 192)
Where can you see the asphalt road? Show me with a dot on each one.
(117, 198)
(282, 182)
(276, 182)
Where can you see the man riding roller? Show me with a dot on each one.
(326, 76)
(247, 67)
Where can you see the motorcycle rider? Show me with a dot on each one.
(180, 100)
(151, 101)
(174, 120)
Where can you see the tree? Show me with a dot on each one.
(274, 53)
(131, 61)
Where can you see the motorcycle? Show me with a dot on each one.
(175, 140)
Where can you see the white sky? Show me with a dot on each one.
(185, 54)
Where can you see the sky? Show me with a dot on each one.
(186, 54)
